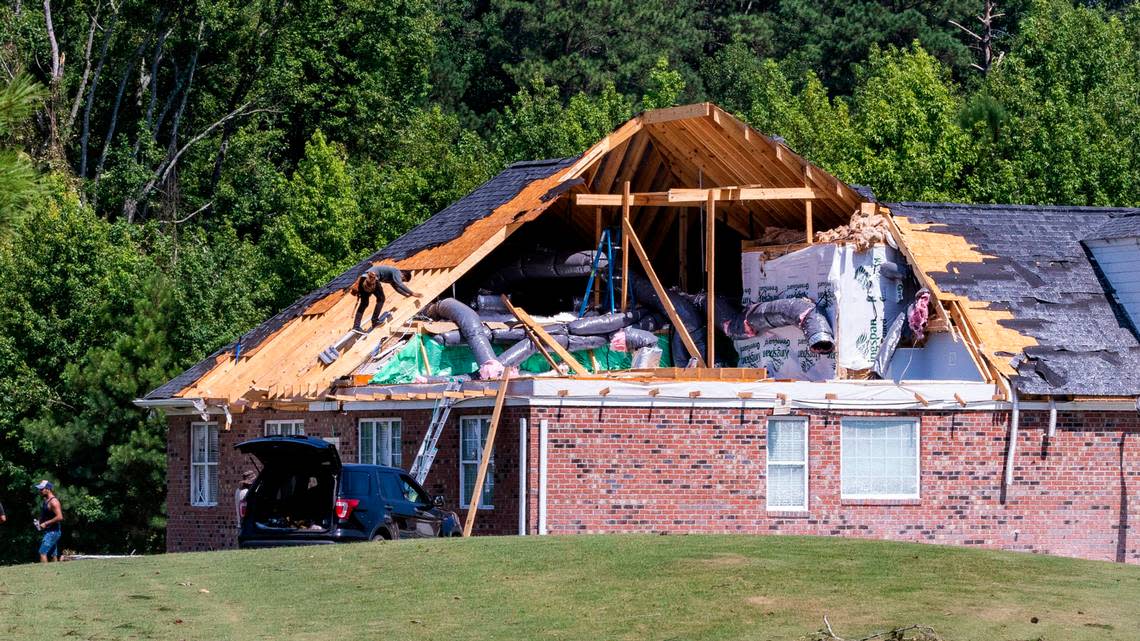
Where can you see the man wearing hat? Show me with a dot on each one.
(51, 515)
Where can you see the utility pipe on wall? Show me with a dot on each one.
(522, 476)
(1052, 417)
(542, 451)
(1015, 416)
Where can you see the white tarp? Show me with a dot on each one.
(849, 291)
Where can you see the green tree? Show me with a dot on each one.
(19, 180)
(664, 87)
(905, 112)
(536, 125)
(1069, 96)
(315, 236)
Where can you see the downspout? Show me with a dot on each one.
(1015, 417)
(522, 476)
(1052, 417)
(543, 434)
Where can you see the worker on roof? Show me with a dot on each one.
(369, 284)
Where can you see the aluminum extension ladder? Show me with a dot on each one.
(428, 448)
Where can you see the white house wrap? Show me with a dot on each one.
(827, 274)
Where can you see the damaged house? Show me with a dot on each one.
(690, 328)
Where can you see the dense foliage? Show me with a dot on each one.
(173, 172)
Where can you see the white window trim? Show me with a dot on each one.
(917, 424)
(289, 421)
(804, 463)
(463, 461)
(206, 464)
(392, 422)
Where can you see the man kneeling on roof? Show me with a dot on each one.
(369, 284)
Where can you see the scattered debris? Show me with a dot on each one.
(781, 236)
(907, 633)
(864, 230)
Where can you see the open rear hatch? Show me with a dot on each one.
(296, 489)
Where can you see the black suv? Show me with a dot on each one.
(303, 495)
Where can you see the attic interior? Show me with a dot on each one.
(790, 247)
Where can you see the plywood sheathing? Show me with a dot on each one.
(700, 137)
(289, 357)
(936, 251)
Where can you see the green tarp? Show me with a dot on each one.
(453, 361)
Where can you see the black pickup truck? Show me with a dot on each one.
(304, 495)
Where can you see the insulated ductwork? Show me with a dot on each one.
(603, 324)
(787, 312)
(690, 316)
(544, 266)
(522, 350)
(631, 339)
(890, 343)
(470, 328)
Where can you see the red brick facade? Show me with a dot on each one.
(620, 469)
(208, 528)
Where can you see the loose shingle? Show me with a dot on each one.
(1042, 275)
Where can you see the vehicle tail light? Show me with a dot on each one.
(344, 507)
(242, 508)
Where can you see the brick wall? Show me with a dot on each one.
(207, 528)
(704, 470)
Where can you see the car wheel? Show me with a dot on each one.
(380, 536)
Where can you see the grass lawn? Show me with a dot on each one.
(581, 587)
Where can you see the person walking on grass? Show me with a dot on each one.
(51, 515)
(369, 285)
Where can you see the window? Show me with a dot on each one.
(380, 441)
(204, 464)
(879, 458)
(285, 428)
(472, 436)
(787, 463)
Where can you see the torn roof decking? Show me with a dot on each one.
(695, 145)
(1029, 291)
(439, 249)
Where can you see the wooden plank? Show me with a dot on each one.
(743, 193)
(650, 199)
(485, 459)
(667, 304)
(699, 110)
(706, 151)
(324, 304)
(683, 248)
(620, 135)
(750, 138)
(710, 268)
(808, 222)
(540, 347)
(625, 247)
(525, 319)
(685, 173)
(697, 197)
(612, 163)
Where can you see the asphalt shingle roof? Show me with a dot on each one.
(1042, 274)
(441, 228)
